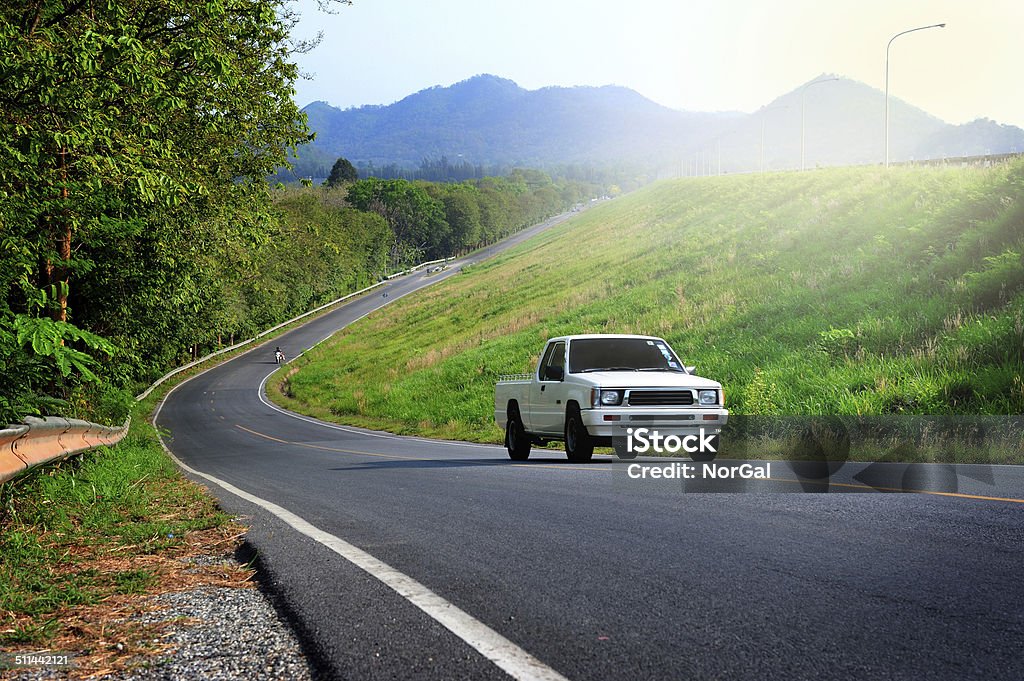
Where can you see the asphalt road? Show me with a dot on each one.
(582, 572)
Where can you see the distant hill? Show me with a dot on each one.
(487, 121)
(844, 124)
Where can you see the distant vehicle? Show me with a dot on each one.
(594, 390)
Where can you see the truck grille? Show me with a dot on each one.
(640, 398)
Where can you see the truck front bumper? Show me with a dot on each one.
(611, 422)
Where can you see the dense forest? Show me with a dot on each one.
(137, 226)
(626, 176)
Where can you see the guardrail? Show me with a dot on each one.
(38, 441)
(984, 160)
(981, 161)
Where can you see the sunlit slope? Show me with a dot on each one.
(835, 291)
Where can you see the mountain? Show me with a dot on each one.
(487, 121)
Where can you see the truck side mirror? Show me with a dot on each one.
(691, 370)
(553, 373)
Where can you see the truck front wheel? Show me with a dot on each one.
(579, 446)
(516, 440)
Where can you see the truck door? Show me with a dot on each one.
(546, 403)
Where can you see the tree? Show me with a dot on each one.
(416, 219)
(135, 136)
(343, 171)
(462, 213)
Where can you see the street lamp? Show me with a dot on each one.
(803, 91)
(763, 112)
(919, 28)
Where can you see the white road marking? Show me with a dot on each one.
(505, 654)
(262, 394)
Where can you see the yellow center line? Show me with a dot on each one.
(560, 467)
(397, 456)
(266, 437)
(330, 449)
(961, 495)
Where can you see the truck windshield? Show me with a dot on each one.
(621, 354)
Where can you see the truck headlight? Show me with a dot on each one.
(610, 398)
(707, 397)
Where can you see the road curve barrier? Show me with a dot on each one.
(39, 441)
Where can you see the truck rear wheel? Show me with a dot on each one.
(516, 440)
(579, 446)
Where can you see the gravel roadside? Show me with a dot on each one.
(210, 632)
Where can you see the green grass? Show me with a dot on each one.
(842, 291)
(92, 527)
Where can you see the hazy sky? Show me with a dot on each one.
(703, 55)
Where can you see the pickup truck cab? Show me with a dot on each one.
(594, 390)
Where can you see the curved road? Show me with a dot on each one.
(402, 558)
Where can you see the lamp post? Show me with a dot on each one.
(919, 28)
(763, 112)
(803, 91)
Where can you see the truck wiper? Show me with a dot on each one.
(658, 369)
(587, 371)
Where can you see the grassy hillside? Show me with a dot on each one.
(844, 291)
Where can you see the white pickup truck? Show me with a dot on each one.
(597, 390)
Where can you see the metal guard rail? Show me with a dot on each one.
(39, 441)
